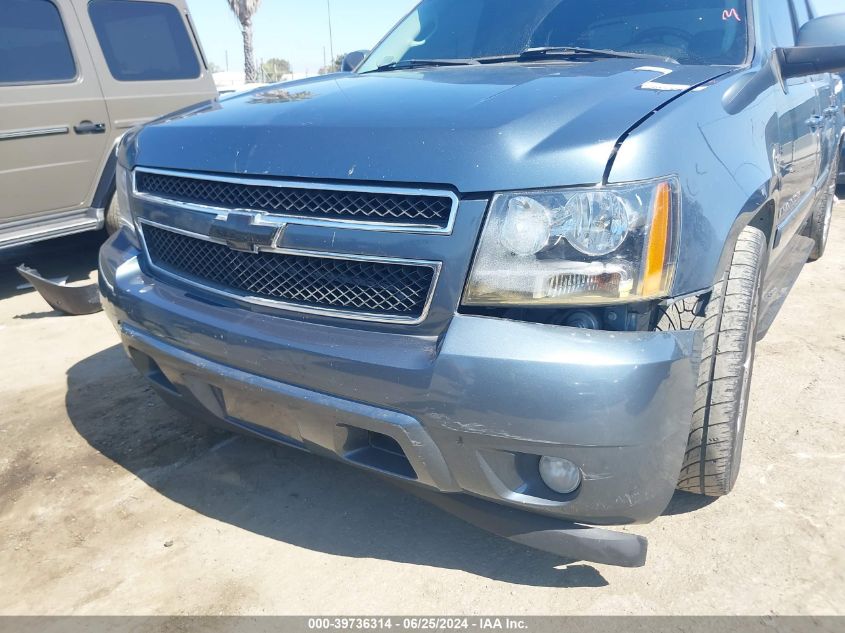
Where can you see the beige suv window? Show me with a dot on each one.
(143, 41)
(33, 44)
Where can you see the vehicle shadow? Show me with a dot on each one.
(686, 502)
(280, 493)
(74, 257)
(34, 316)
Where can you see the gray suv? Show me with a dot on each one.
(75, 75)
(516, 261)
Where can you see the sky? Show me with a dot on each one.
(296, 30)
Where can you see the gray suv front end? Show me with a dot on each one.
(500, 278)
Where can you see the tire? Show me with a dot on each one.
(819, 229)
(112, 221)
(729, 321)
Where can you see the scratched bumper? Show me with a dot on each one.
(471, 412)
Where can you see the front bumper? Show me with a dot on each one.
(468, 412)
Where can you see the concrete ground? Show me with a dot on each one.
(110, 503)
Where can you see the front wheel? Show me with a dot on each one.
(820, 224)
(112, 221)
(714, 449)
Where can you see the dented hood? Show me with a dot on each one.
(475, 128)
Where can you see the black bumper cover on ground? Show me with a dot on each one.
(72, 300)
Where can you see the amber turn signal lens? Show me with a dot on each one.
(658, 242)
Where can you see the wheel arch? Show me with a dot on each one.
(106, 185)
(758, 212)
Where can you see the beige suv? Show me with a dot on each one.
(75, 75)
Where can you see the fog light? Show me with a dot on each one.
(560, 474)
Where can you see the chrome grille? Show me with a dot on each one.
(319, 203)
(379, 289)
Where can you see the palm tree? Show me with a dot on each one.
(244, 10)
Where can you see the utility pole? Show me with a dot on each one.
(331, 37)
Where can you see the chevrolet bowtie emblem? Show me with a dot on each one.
(242, 232)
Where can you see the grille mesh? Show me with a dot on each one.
(309, 203)
(397, 290)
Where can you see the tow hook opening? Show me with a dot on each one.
(377, 451)
(149, 368)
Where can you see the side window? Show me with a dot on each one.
(826, 7)
(143, 41)
(33, 44)
(778, 22)
(802, 13)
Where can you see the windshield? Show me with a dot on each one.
(690, 31)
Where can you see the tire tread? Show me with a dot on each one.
(709, 467)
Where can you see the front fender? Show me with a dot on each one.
(726, 166)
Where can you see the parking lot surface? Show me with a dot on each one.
(111, 503)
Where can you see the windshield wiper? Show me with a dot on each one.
(529, 54)
(543, 52)
(422, 63)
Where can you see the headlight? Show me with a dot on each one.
(592, 246)
(123, 179)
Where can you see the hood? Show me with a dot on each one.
(474, 128)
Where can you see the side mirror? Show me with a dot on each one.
(821, 48)
(353, 60)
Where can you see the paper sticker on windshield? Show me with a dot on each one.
(729, 14)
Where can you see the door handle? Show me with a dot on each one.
(815, 122)
(87, 127)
